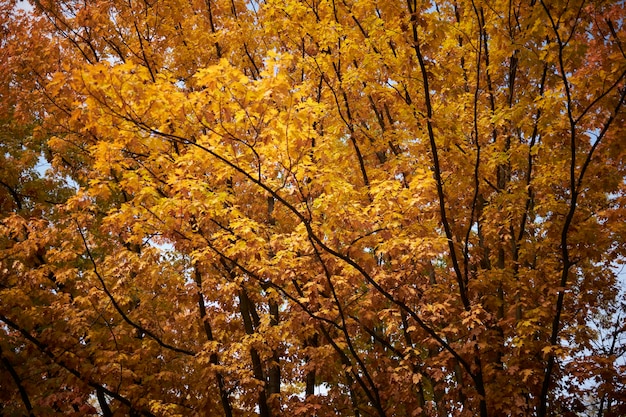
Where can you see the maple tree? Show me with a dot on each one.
(312, 207)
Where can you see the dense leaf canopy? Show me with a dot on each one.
(312, 207)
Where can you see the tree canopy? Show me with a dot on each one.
(312, 207)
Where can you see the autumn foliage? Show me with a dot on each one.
(312, 208)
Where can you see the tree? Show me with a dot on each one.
(313, 207)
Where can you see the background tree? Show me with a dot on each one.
(313, 208)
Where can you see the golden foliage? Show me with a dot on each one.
(312, 207)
